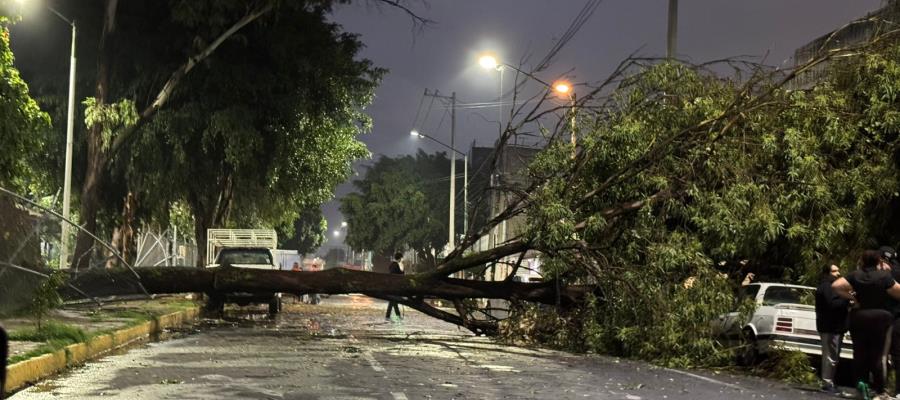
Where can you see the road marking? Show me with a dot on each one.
(703, 378)
(374, 363)
(399, 396)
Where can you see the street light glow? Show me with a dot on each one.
(336, 233)
(414, 132)
(343, 224)
(488, 61)
(562, 87)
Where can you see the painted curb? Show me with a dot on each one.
(24, 373)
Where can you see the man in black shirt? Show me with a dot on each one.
(870, 321)
(832, 324)
(889, 257)
(394, 268)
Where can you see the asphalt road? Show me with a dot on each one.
(344, 349)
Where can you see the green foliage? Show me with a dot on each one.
(21, 122)
(50, 331)
(400, 203)
(729, 172)
(306, 233)
(790, 366)
(266, 128)
(110, 117)
(46, 297)
(54, 335)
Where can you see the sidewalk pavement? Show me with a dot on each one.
(77, 333)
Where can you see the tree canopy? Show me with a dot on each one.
(243, 112)
(23, 121)
(306, 233)
(401, 203)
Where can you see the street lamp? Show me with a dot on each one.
(564, 89)
(337, 234)
(70, 131)
(490, 62)
(415, 133)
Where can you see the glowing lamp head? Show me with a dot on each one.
(414, 133)
(488, 61)
(336, 233)
(562, 87)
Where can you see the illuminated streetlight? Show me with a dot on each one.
(562, 87)
(488, 61)
(336, 233)
(70, 129)
(414, 133)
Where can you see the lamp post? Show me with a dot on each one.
(416, 133)
(562, 88)
(70, 129)
(489, 61)
(451, 242)
(337, 234)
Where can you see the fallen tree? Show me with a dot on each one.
(678, 177)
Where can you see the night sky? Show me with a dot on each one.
(444, 55)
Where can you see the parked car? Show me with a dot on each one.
(784, 317)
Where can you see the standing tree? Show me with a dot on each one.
(260, 133)
(306, 233)
(294, 119)
(400, 203)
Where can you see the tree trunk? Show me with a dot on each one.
(159, 280)
(96, 156)
(90, 203)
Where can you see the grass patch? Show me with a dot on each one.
(54, 335)
(48, 332)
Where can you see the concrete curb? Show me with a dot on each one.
(32, 370)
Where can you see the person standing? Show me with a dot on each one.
(870, 321)
(832, 323)
(889, 260)
(396, 269)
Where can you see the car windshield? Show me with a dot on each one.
(245, 256)
(790, 295)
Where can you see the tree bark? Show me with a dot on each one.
(96, 156)
(159, 280)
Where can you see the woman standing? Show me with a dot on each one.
(870, 321)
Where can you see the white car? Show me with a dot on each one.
(785, 317)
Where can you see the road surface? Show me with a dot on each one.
(344, 349)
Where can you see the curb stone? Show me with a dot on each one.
(27, 372)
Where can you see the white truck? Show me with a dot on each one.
(242, 248)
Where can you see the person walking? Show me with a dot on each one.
(831, 323)
(396, 269)
(870, 321)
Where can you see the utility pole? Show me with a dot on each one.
(452, 172)
(451, 240)
(672, 38)
(70, 129)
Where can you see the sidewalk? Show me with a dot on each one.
(74, 334)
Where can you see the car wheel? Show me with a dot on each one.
(748, 355)
(274, 305)
(215, 305)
